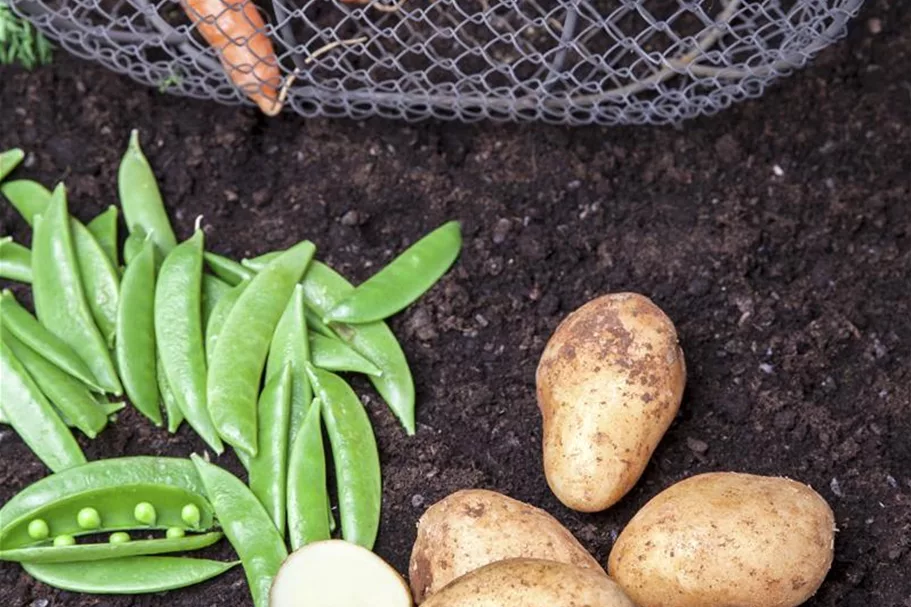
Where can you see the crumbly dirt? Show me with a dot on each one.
(777, 236)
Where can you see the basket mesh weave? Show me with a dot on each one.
(561, 61)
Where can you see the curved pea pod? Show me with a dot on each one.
(247, 526)
(227, 269)
(15, 261)
(101, 551)
(268, 469)
(240, 352)
(140, 197)
(403, 280)
(59, 295)
(213, 289)
(32, 333)
(335, 355)
(71, 397)
(130, 575)
(323, 287)
(168, 400)
(354, 451)
(33, 418)
(109, 409)
(178, 332)
(290, 347)
(9, 160)
(104, 229)
(28, 197)
(309, 515)
(219, 315)
(135, 344)
(113, 487)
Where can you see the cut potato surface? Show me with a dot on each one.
(336, 573)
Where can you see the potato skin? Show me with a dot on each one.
(531, 583)
(474, 527)
(722, 539)
(609, 385)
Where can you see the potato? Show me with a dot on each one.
(335, 573)
(531, 583)
(472, 528)
(609, 385)
(722, 539)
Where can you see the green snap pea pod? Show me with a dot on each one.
(309, 514)
(104, 229)
(141, 199)
(113, 487)
(96, 552)
(316, 323)
(335, 355)
(96, 271)
(109, 409)
(247, 526)
(227, 269)
(9, 160)
(133, 244)
(33, 418)
(268, 469)
(59, 294)
(258, 263)
(135, 343)
(130, 575)
(32, 333)
(28, 197)
(15, 261)
(323, 287)
(168, 400)
(178, 332)
(240, 352)
(403, 281)
(71, 397)
(290, 347)
(354, 451)
(213, 289)
(219, 315)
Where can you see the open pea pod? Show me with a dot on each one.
(105, 550)
(113, 488)
(130, 575)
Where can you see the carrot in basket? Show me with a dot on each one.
(235, 29)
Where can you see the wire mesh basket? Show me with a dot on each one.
(561, 61)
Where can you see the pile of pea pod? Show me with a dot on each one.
(246, 352)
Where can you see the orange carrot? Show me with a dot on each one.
(235, 29)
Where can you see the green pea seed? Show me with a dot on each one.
(174, 533)
(64, 540)
(190, 515)
(88, 518)
(38, 529)
(144, 512)
(119, 537)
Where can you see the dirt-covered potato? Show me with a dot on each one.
(473, 528)
(531, 583)
(609, 385)
(722, 539)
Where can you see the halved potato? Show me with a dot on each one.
(336, 573)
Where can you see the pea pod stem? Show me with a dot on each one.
(240, 353)
(403, 280)
(129, 575)
(59, 295)
(140, 197)
(354, 451)
(33, 418)
(101, 551)
(247, 526)
(178, 333)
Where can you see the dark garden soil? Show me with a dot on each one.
(777, 235)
